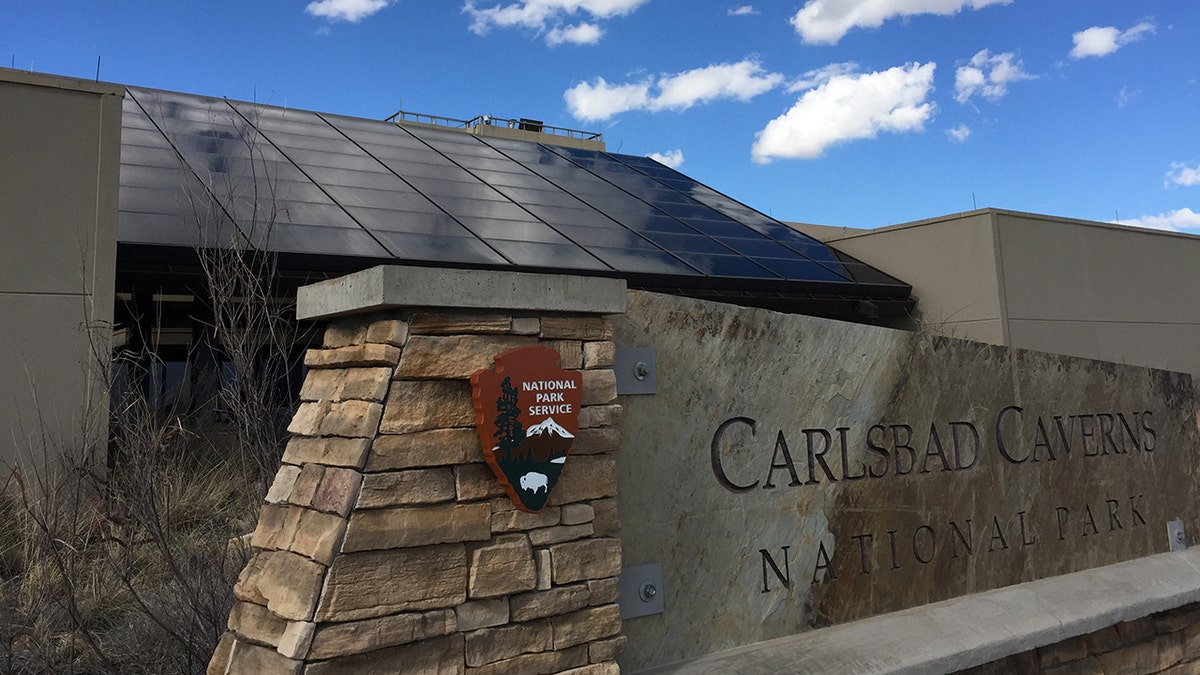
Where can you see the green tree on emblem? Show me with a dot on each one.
(509, 432)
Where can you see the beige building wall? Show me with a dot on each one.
(950, 263)
(1082, 288)
(59, 173)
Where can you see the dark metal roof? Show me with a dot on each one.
(332, 193)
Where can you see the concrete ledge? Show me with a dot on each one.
(974, 629)
(392, 286)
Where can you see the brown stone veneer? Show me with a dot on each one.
(385, 544)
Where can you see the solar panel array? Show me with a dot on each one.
(196, 171)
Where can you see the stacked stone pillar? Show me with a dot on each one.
(387, 545)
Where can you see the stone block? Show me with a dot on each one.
(570, 353)
(606, 522)
(526, 325)
(476, 481)
(219, 663)
(601, 415)
(577, 514)
(601, 651)
(489, 645)
(586, 625)
(256, 624)
(306, 484)
(308, 417)
(296, 639)
(352, 419)
(536, 664)
(1189, 639)
(541, 604)
(576, 328)
(281, 487)
(1140, 657)
(481, 614)
(420, 405)
(417, 526)
(322, 385)
(379, 583)
(388, 331)
(310, 533)
(358, 356)
(404, 488)
(454, 357)
(459, 324)
(1104, 640)
(273, 520)
(1138, 630)
(443, 656)
(587, 559)
(317, 535)
(512, 520)
(287, 583)
(345, 333)
(604, 591)
(597, 440)
(599, 387)
(250, 658)
(545, 575)
(601, 354)
(349, 452)
(437, 447)
(356, 637)
(1176, 619)
(1170, 650)
(559, 533)
(586, 477)
(366, 384)
(337, 491)
(594, 669)
(501, 567)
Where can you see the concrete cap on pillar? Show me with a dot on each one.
(392, 286)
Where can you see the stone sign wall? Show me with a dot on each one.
(387, 544)
(794, 472)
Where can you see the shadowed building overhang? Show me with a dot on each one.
(332, 194)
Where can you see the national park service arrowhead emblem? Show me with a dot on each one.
(527, 415)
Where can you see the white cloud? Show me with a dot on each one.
(959, 134)
(988, 75)
(352, 11)
(827, 21)
(1182, 174)
(815, 78)
(582, 34)
(601, 100)
(744, 10)
(547, 16)
(849, 107)
(1175, 221)
(672, 158)
(1126, 95)
(1104, 40)
(741, 81)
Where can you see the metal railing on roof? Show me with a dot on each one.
(522, 123)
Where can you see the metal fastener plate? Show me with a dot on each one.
(641, 590)
(636, 370)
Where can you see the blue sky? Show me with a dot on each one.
(857, 113)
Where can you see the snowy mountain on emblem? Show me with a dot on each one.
(550, 427)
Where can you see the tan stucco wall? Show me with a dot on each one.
(951, 265)
(59, 180)
(1073, 287)
(1102, 291)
